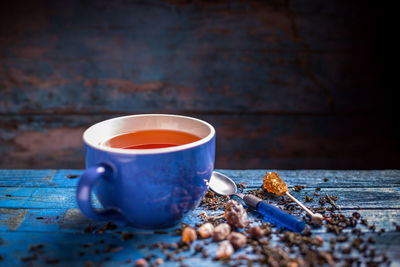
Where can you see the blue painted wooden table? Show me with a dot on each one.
(40, 223)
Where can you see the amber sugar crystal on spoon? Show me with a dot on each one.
(274, 184)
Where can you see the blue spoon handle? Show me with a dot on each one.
(274, 214)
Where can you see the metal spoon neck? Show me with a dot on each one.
(241, 195)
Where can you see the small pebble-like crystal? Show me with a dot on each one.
(225, 250)
(256, 232)
(141, 262)
(189, 235)
(235, 214)
(237, 240)
(206, 230)
(274, 184)
(221, 232)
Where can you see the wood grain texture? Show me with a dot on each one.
(38, 207)
(73, 221)
(288, 84)
(38, 198)
(56, 245)
(239, 56)
(252, 178)
(243, 141)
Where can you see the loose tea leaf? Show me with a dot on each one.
(126, 236)
(29, 258)
(308, 199)
(52, 261)
(298, 188)
(89, 229)
(211, 201)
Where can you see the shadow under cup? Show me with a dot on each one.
(146, 188)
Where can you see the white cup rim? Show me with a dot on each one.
(97, 146)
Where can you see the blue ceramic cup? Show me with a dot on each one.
(145, 188)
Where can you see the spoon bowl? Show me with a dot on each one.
(222, 184)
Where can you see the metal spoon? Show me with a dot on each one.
(223, 185)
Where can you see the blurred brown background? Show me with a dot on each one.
(287, 84)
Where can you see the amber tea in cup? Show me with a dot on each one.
(146, 170)
(151, 139)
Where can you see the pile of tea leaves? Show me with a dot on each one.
(226, 234)
(340, 241)
(222, 230)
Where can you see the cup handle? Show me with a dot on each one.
(84, 195)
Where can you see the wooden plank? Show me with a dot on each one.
(66, 220)
(133, 89)
(252, 178)
(299, 75)
(26, 178)
(39, 178)
(367, 198)
(16, 197)
(71, 220)
(321, 178)
(10, 219)
(61, 228)
(251, 56)
(67, 234)
(57, 244)
(243, 141)
(340, 32)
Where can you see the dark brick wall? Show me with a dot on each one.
(287, 84)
